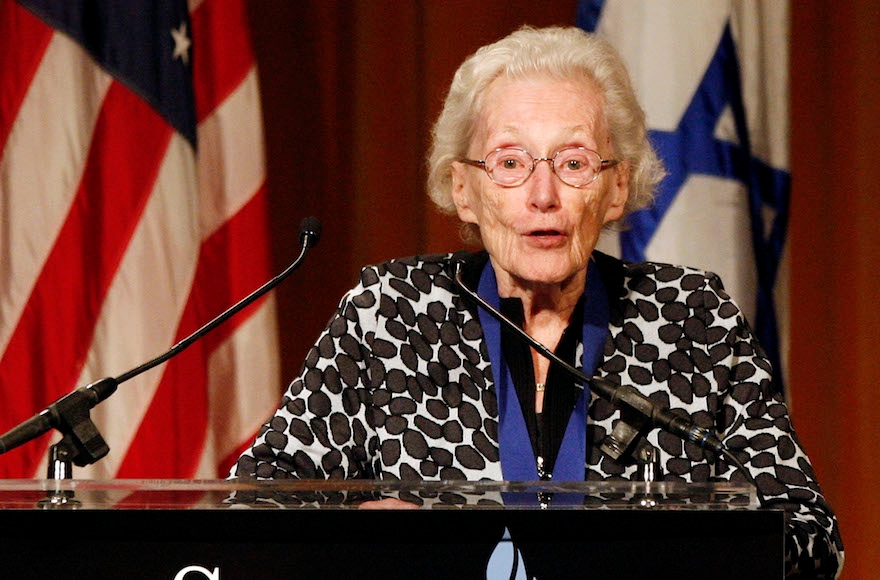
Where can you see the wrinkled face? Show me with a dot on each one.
(543, 231)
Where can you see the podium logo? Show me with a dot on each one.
(506, 561)
(197, 572)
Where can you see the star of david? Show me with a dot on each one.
(695, 149)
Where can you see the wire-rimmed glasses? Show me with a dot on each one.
(511, 167)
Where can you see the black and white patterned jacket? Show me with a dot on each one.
(399, 386)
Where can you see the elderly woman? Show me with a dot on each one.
(540, 145)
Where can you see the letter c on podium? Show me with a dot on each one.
(215, 575)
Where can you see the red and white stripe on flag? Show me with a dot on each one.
(118, 240)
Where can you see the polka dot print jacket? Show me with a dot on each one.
(399, 386)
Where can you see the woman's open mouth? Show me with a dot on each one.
(546, 238)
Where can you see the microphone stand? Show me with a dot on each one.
(81, 443)
(640, 414)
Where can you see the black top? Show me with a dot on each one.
(546, 429)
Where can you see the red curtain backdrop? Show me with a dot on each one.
(835, 296)
(350, 90)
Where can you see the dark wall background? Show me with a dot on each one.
(349, 97)
(350, 90)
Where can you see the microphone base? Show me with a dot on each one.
(60, 468)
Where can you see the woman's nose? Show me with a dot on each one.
(544, 186)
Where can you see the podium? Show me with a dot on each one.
(298, 529)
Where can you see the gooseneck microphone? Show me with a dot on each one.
(70, 413)
(624, 397)
(309, 234)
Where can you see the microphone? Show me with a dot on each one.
(70, 413)
(624, 397)
(635, 408)
(310, 232)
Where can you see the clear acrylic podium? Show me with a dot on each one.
(300, 529)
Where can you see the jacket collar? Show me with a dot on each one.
(610, 268)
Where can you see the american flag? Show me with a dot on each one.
(132, 212)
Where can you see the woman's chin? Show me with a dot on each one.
(542, 268)
(542, 275)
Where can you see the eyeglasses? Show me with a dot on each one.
(511, 167)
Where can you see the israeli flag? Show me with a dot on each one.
(712, 76)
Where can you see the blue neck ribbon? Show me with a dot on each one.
(518, 462)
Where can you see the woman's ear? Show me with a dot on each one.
(461, 193)
(619, 193)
